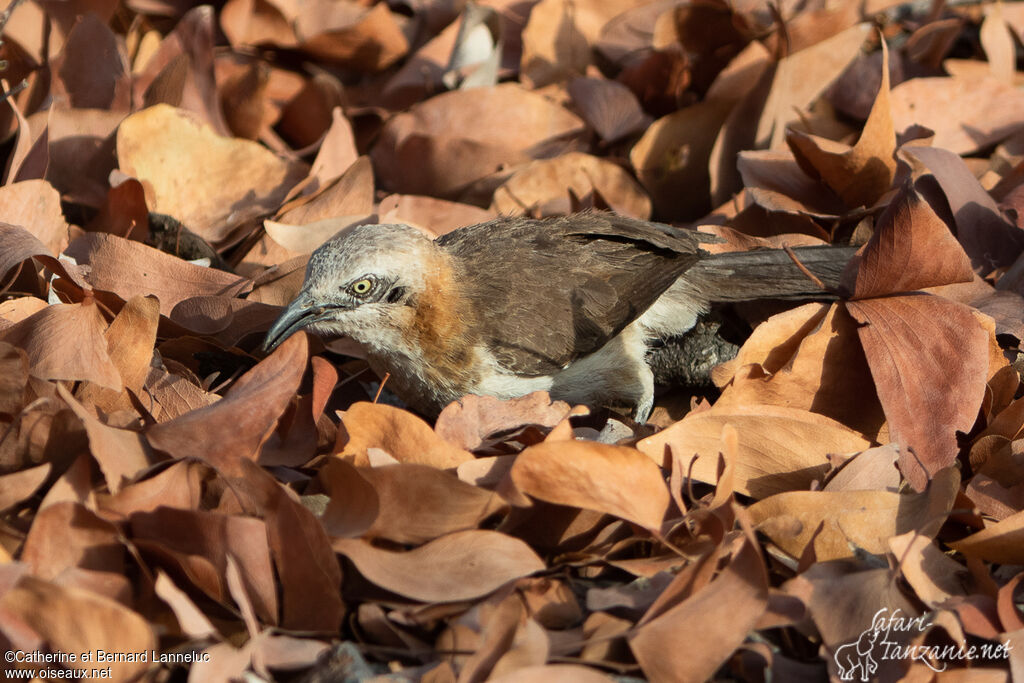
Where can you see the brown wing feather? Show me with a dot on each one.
(552, 290)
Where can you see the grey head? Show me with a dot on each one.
(357, 282)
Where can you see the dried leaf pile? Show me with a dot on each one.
(176, 506)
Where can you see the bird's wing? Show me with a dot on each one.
(549, 291)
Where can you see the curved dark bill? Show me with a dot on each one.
(294, 318)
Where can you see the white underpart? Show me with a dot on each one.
(617, 374)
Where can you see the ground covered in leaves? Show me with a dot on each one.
(848, 500)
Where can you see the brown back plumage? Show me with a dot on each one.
(571, 286)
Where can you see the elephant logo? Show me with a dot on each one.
(856, 656)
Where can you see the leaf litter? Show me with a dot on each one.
(169, 489)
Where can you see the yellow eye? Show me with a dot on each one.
(361, 287)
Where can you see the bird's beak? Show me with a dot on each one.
(297, 315)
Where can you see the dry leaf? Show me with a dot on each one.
(210, 183)
(780, 449)
(610, 479)
(460, 566)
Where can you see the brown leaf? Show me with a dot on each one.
(610, 479)
(780, 449)
(570, 673)
(934, 576)
(17, 487)
(469, 422)
(401, 434)
(131, 269)
(444, 144)
(353, 502)
(65, 341)
(911, 249)
(19, 245)
(608, 107)
(839, 522)
(178, 486)
(65, 536)
(180, 72)
(191, 620)
(418, 503)
(236, 426)
(863, 173)
(92, 71)
(929, 359)
(130, 340)
(1000, 542)
(35, 206)
(80, 149)
(307, 567)
(801, 77)
(673, 153)
(370, 42)
(774, 180)
(14, 374)
(75, 620)
(965, 114)
(460, 566)
(431, 215)
(553, 47)
(545, 186)
(826, 374)
(719, 615)
(987, 237)
(195, 544)
(210, 183)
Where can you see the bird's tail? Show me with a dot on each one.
(768, 273)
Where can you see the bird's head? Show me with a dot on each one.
(358, 283)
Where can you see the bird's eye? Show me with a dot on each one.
(361, 287)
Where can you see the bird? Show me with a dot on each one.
(564, 304)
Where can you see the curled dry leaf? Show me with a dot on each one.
(460, 566)
(553, 46)
(68, 536)
(17, 487)
(208, 182)
(986, 235)
(911, 249)
(19, 245)
(401, 434)
(544, 186)
(826, 374)
(861, 174)
(307, 567)
(444, 144)
(469, 422)
(801, 77)
(610, 479)
(780, 449)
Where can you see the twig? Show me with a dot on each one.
(803, 269)
(380, 389)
